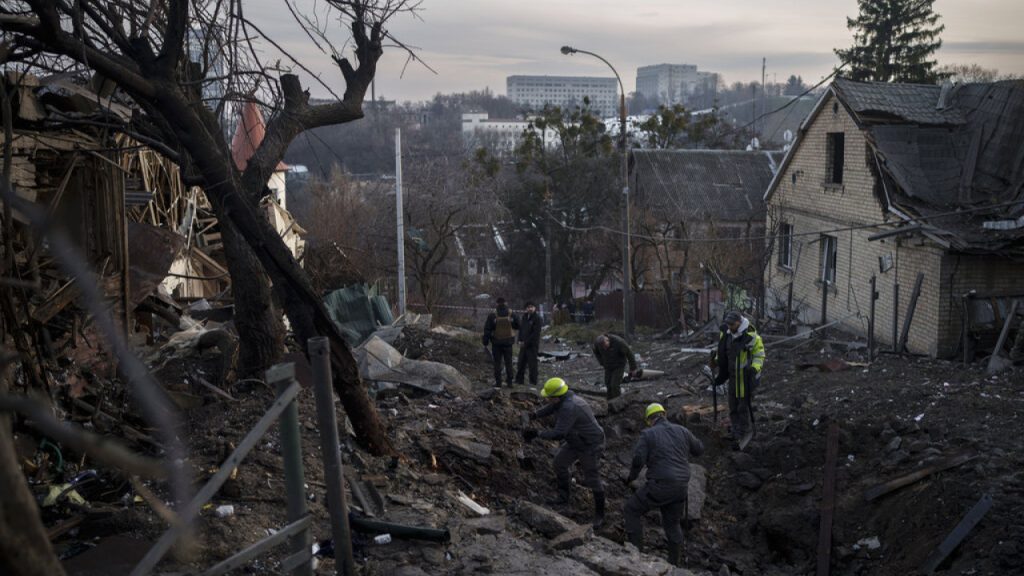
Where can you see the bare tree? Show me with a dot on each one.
(143, 48)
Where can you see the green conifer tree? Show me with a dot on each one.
(893, 41)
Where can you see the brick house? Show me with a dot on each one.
(906, 184)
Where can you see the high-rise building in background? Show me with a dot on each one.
(677, 84)
(536, 91)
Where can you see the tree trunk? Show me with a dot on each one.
(260, 329)
(24, 546)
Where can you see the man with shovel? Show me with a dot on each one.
(740, 359)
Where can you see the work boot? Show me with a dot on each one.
(598, 510)
(636, 539)
(562, 498)
(675, 554)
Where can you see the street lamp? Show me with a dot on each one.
(627, 283)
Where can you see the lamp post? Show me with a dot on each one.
(627, 280)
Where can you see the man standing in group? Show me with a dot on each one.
(529, 344)
(499, 333)
(740, 358)
(664, 449)
(612, 353)
(582, 440)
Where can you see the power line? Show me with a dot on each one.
(877, 224)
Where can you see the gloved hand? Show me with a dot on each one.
(529, 434)
(706, 370)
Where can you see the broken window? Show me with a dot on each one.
(835, 148)
(786, 245)
(828, 259)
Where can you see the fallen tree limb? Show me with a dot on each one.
(104, 450)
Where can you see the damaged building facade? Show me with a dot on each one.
(917, 187)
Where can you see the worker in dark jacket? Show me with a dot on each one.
(740, 357)
(664, 449)
(500, 333)
(582, 440)
(612, 353)
(529, 344)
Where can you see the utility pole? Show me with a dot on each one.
(764, 93)
(549, 290)
(399, 222)
(627, 263)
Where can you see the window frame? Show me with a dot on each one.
(835, 158)
(828, 259)
(785, 259)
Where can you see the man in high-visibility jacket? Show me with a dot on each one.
(740, 359)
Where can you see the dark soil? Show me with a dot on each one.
(762, 510)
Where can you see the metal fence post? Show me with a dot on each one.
(320, 357)
(301, 561)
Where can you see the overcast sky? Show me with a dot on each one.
(474, 44)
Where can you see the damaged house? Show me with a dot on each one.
(916, 188)
(684, 197)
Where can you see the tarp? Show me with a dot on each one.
(357, 312)
(380, 362)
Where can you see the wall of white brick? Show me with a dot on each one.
(804, 200)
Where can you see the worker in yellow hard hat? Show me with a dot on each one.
(582, 440)
(664, 449)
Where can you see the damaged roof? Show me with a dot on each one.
(720, 184)
(967, 167)
(955, 150)
(912, 103)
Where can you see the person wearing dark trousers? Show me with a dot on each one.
(612, 353)
(587, 310)
(500, 334)
(529, 344)
(740, 358)
(582, 440)
(665, 450)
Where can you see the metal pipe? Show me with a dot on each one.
(400, 530)
(330, 447)
(294, 481)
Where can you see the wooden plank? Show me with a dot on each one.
(967, 523)
(828, 500)
(883, 489)
(56, 302)
(997, 359)
(910, 313)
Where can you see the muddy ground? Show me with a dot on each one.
(761, 516)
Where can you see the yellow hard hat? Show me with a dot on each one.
(553, 388)
(653, 409)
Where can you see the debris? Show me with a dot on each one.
(828, 494)
(382, 539)
(969, 521)
(696, 491)
(460, 442)
(871, 543)
(609, 558)
(471, 505)
(379, 361)
(883, 489)
(493, 524)
(998, 362)
(224, 511)
(572, 538)
(543, 520)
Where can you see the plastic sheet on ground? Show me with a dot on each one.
(357, 312)
(380, 362)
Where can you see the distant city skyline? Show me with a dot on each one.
(476, 44)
